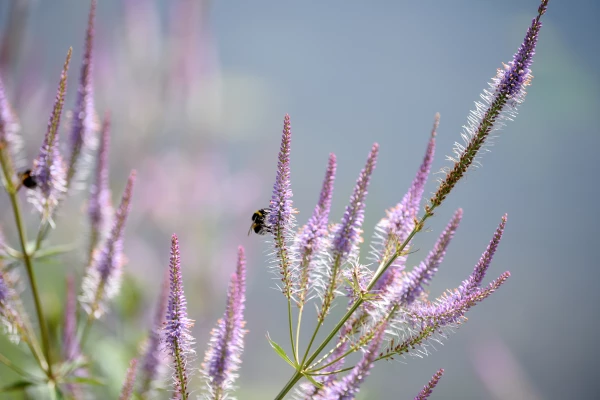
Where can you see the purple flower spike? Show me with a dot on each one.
(223, 357)
(474, 281)
(153, 358)
(84, 114)
(428, 389)
(280, 219)
(412, 282)
(499, 104)
(349, 385)
(280, 209)
(176, 332)
(103, 279)
(48, 168)
(127, 390)
(100, 205)
(450, 309)
(315, 230)
(400, 220)
(347, 234)
(70, 344)
(9, 138)
(12, 319)
(517, 74)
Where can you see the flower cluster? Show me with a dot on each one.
(387, 311)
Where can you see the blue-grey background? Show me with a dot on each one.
(349, 74)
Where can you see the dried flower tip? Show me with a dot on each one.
(127, 390)
(223, 357)
(428, 389)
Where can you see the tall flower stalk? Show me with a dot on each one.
(223, 357)
(388, 313)
(508, 91)
(176, 332)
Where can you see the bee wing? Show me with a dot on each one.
(250, 230)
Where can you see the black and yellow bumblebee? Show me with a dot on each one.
(27, 179)
(259, 222)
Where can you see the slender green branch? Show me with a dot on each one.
(180, 372)
(290, 324)
(300, 310)
(324, 306)
(32, 282)
(291, 383)
(382, 268)
(4, 360)
(10, 188)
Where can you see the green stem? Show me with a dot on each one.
(293, 380)
(32, 282)
(12, 194)
(325, 306)
(382, 268)
(300, 310)
(4, 360)
(290, 324)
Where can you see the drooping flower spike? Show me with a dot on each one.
(176, 332)
(223, 357)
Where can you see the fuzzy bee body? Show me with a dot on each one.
(27, 179)
(259, 222)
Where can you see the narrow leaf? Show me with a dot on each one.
(280, 352)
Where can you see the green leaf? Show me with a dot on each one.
(280, 352)
(313, 381)
(53, 251)
(18, 385)
(85, 380)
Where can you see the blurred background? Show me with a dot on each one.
(197, 92)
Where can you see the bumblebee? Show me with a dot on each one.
(27, 179)
(259, 222)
